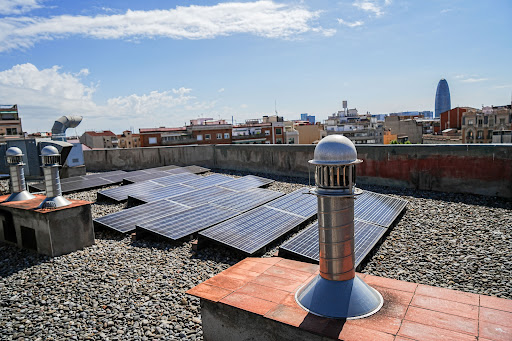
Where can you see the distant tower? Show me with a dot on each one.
(443, 102)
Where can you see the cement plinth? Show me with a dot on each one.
(51, 232)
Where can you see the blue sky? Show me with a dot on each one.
(134, 64)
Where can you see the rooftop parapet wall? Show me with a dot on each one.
(477, 169)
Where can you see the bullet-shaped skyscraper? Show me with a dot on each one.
(443, 102)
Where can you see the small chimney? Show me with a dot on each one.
(337, 292)
(14, 158)
(51, 162)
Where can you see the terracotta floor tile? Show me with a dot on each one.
(248, 303)
(401, 338)
(209, 292)
(496, 303)
(265, 293)
(495, 332)
(418, 331)
(289, 300)
(266, 260)
(393, 309)
(255, 266)
(226, 282)
(352, 332)
(289, 315)
(448, 294)
(360, 275)
(283, 272)
(380, 322)
(390, 283)
(442, 320)
(444, 306)
(398, 296)
(503, 318)
(242, 274)
(296, 265)
(277, 282)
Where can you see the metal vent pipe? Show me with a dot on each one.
(337, 292)
(51, 162)
(14, 158)
(63, 123)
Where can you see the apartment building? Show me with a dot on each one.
(10, 122)
(479, 126)
(99, 139)
(128, 140)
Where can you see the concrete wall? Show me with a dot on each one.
(480, 169)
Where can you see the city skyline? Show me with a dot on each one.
(131, 64)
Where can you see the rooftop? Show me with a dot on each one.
(126, 289)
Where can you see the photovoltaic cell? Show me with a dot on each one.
(253, 230)
(378, 208)
(246, 182)
(126, 220)
(246, 200)
(305, 244)
(187, 222)
(210, 180)
(202, 196)
(144, 175)
(176, 179)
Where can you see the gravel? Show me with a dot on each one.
(120, 289)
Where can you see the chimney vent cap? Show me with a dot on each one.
(335, 150)
(50, 151)
(14, 151)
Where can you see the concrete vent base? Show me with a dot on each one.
(351, 299)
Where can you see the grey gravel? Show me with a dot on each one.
(120, 289)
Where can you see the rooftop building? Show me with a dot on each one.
(10, 122)
(442, 102)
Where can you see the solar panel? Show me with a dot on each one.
(185, 223)
(305, 244)
(121, 193)
(246, 200)
(299, 202)
(150, 174)
(176, 179)
(246, 182)
(197, 169)
(126, 220)
(159, 193)
(210, 180)
(378, 208)
(83, 182)
(253, 230)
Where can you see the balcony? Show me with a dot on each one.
(178, 142)
(252, 136)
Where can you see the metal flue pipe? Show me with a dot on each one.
(14, 158)
(51, 162)
(337, 292)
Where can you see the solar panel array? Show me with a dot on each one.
(305, 244)
(378, 208)
(222, 204)
(254, 230)
(82, 182)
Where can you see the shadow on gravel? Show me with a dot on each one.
(13, 259)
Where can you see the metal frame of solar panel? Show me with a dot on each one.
(169, 190)
(84, 182)
(304, 245)
(121, 193)
(126, 220)
(186, 223)
(252, 231)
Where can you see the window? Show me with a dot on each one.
(480, 134)
(491, 122)
(291, 140)
(199, 137)
(486, 119)
(279, 131)
(489, 134)
(279, 141)
(464, 120)
(219, 136)
(502, 121)
(11, 131)
(226, 135)
(267, 132)
(152, 140)
(470, 122)
(470, 135)
(207, 136)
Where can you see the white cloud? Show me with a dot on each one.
(261, 18)
(350, 24)
(374, 6)
(502, 86)
(220, 90)
(18, 6)
(474, 80)
(48, 93)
